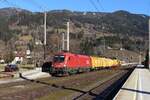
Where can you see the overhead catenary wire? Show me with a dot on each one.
(94, 5)
(97, 9)
(11, 3)
(43, 7)
(100, 4)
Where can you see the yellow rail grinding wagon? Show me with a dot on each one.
(101, 62)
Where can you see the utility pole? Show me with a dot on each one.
(140, 58)
(104, 42)
(63, 41)
(67, 36)
(45, 16)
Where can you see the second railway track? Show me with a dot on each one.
(107, 89)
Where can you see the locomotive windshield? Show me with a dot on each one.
(59, 58)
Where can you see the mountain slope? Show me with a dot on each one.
(120, 28)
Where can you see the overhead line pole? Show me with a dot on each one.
(45, 30)
(68, 36)
(63, 41)
(45, 18)
(45, 35)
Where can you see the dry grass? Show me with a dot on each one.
(2, 66)
(27, 66)
(26, 38)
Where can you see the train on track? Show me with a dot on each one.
(66, 63)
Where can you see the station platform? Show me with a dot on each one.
(137, 86)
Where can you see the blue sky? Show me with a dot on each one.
(134, 6)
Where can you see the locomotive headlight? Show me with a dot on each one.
(64, 65)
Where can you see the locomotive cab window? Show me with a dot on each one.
(59, 58)
(69, 58)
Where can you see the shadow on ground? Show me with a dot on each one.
(101, 96)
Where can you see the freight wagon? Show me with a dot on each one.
(66, 63)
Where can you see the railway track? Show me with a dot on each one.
(33, 89)
(105, 90)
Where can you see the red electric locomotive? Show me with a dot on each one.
(65, 63)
